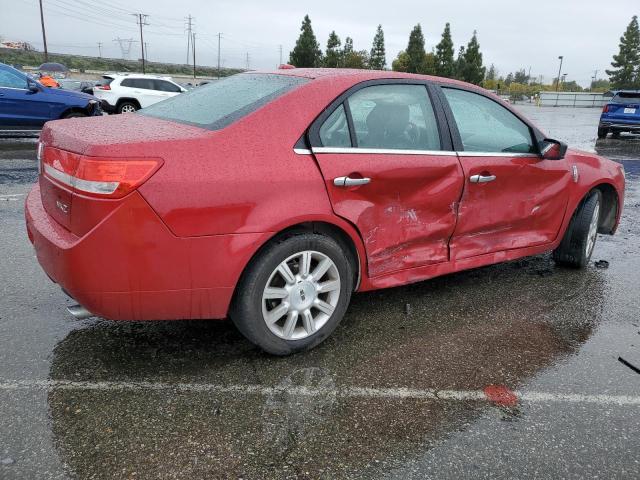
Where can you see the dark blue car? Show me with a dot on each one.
(621, 114)
(26, 104)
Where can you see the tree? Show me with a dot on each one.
(521, 76)
(492, 73)
(377, 58)
(348, 45)
(356, 59)
(444, 62)
(460, 64)
(333, 53)
(428, 66)
(509, 80)
(600, 85)
(415, 50)
(473, 71)
(626, 71)
(401, 63)
(307, 51)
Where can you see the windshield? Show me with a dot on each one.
(222, 102)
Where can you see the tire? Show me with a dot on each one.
(578, 242)
(127, 107)
(75, 115)
(602, 132)
(293, 303)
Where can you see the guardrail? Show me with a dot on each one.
(572, 99)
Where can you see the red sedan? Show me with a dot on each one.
(271, 197)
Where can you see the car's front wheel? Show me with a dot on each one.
(294, 293)
(580, 238)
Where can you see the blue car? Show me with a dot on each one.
(26, 104)
(621, 114)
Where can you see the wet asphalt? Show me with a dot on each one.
(396, 392)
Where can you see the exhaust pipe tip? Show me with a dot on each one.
(79, 312)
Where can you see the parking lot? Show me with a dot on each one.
(513, 370)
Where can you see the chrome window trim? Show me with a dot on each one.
(382, 151)
(15, 88)
(302, 151)
(388, 151)
(498, 154)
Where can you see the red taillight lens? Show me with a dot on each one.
(104, 87)
(98, 176)
(605, 109)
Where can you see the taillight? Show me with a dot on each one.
(605, 109)
(104, 87)
(98, 176)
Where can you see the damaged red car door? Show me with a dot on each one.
(513, 198)
(388, 172)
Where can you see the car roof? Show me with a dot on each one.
(356, 74)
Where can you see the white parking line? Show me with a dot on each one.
(13, 196)
(340, 392)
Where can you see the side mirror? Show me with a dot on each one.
(32, 86)
(551, 149)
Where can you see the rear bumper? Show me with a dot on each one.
(131, 267)
(620, 124)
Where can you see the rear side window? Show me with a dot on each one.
(220, 103)
(142, 83)
(626, 97)
(485, 126)
(397, 117)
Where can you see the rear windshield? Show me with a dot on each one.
(626, 97)
(222, 102)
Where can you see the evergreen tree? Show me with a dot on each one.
(333, 53)
(377, 58)
(521, 76)
(491, 73)
(428, 66)
(444, 62)
(626, 72)
(460, 64)
(473, 71)
(356, 59)
(307, 51)
(415, 50)
(348, 45)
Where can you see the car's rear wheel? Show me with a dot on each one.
(580, 238)
(602, 132)
(293, 294)
(127, 107)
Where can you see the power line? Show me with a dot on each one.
(189, 33)
(125, 46)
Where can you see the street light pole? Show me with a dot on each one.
(44, 35)
(559, 70)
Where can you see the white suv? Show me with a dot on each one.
(122, 93)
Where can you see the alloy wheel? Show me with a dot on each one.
(301, 295)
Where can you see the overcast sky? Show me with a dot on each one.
(512, 34)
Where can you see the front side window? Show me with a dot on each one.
(397, 117)
(486, 126)
(164, 86)
(9, 79)
(334, 132)
(220, 103)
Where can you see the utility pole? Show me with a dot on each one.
(44, 35)
(99, 49)
(247, 60)
(219, 35)
(193, 42)
(594, 78)
(125, 46)
(141, 19)
(189, 32)
(561, 57)
(280, 48)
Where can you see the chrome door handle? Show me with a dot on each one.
(482, 178)
(350, 182)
